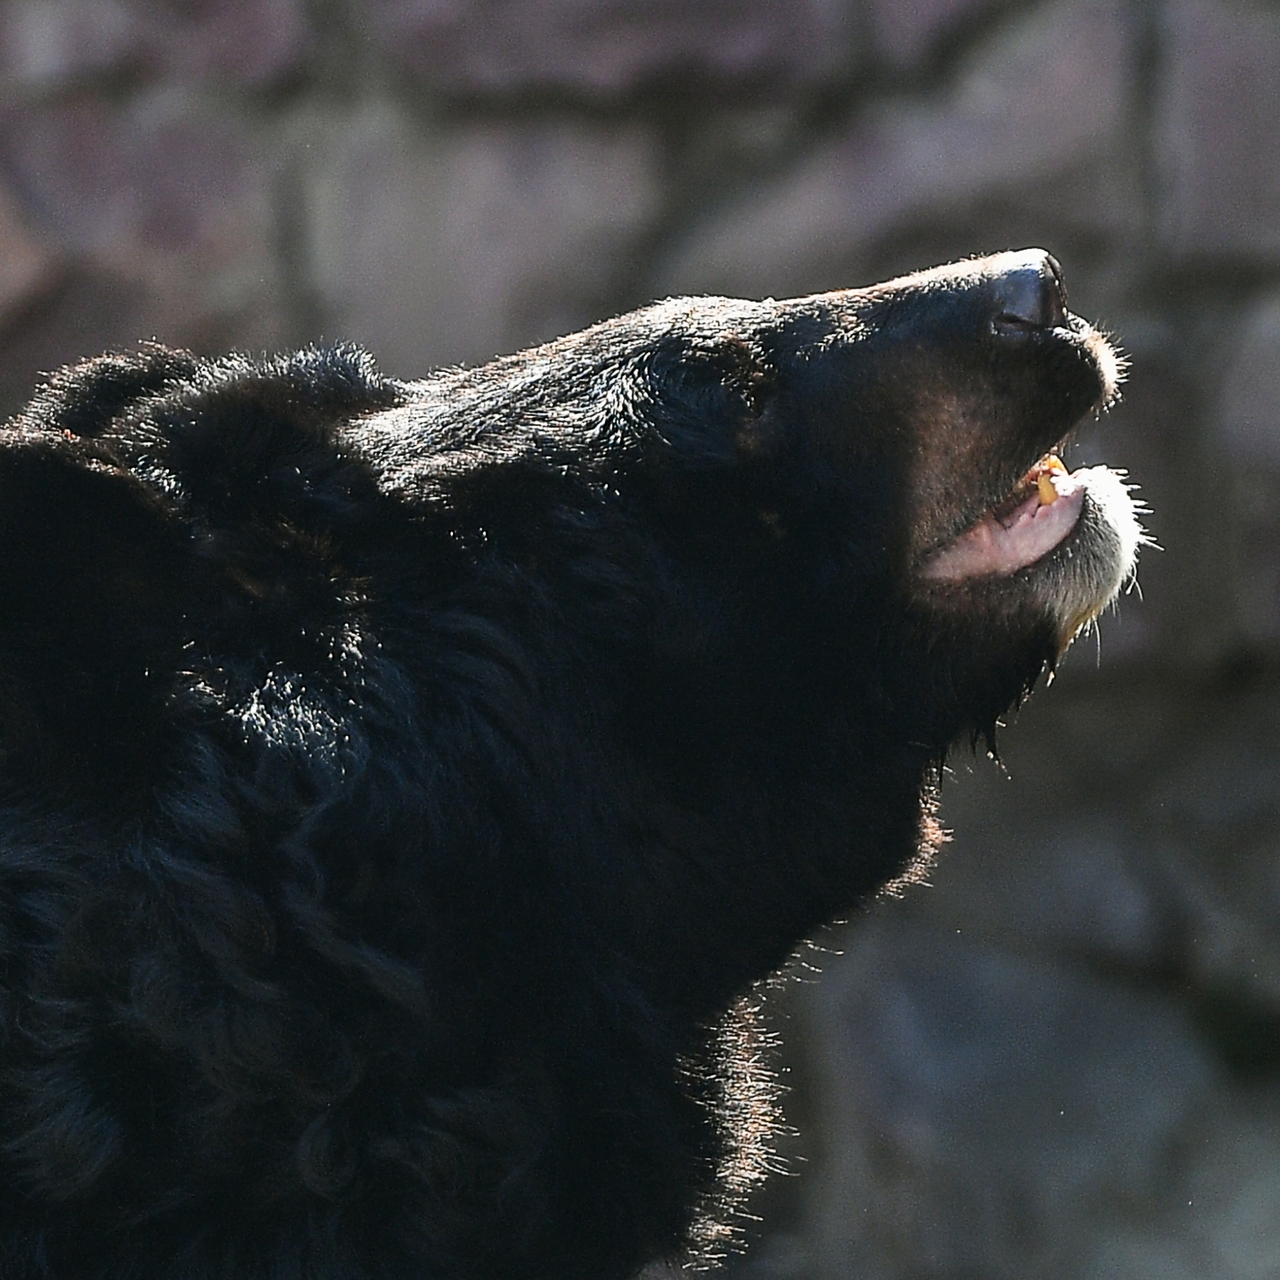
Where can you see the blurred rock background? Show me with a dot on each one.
(1062, 1060)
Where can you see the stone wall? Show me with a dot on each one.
(1063, 1059)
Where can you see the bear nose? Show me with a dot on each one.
(1029, 294)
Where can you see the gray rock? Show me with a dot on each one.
(1142, 1252)
(26, 265)
(1233, 1193)
(1248, 418)
(1044, 105)
(1039, 878)
(1218, 129)
(1246, 429)
(434, 248)
(986, 1115)
(81, 311)
(607, 48)
(46, 44)
(1215, 819)
(172, 201)
(1125, 833)
(907, 31)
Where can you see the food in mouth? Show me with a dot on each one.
(1041, 512)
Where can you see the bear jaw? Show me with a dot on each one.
(1071, 556)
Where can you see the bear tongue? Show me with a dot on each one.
(1004, 542)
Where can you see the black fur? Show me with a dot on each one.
(403, 785)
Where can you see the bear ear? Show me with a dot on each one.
(710, 396)
(84, 399)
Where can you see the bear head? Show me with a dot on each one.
(400, 781)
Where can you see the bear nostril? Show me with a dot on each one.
(1030, 296)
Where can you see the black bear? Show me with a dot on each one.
(402, 784)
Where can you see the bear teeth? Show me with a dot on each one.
(1044, 472)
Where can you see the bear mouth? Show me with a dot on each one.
(1038, 515)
